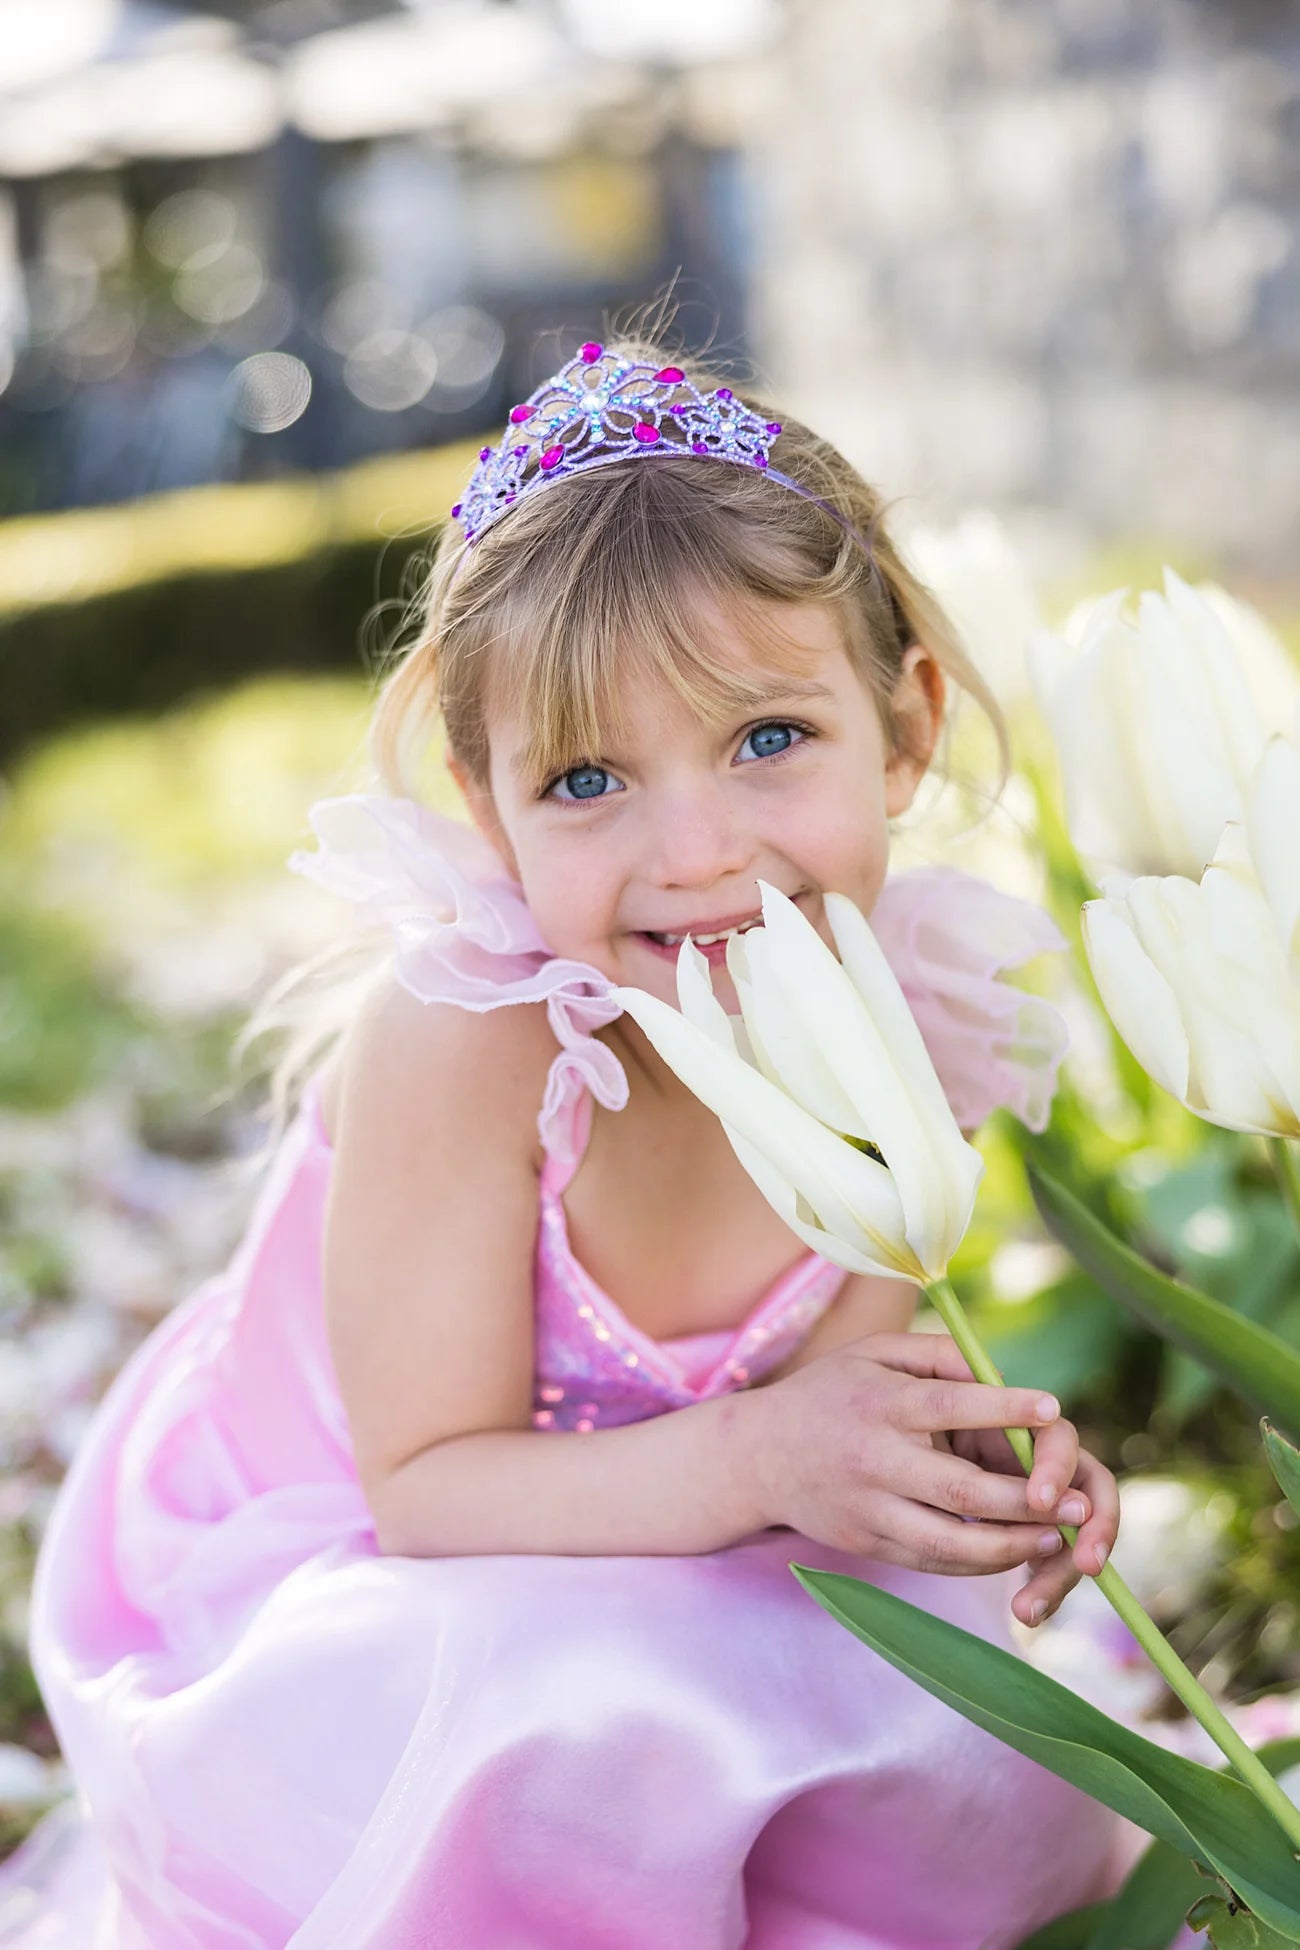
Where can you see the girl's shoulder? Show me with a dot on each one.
(408, 1062)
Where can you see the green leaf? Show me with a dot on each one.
(1069, 1932)
(1248, 1357)
(1233, 1928)
(1148, 1911)
(1145, 1913)
(1284, 1461)
(1213, 1818)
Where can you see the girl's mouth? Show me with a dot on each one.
(712, 946)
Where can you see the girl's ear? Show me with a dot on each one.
(482, 809)
(917, 701)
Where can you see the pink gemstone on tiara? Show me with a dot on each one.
(552, 457)
(518, 413)
(590, 352)
(670, 373)
(644, 432)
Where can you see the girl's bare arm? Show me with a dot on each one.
(429, 1239)
(428, 1274)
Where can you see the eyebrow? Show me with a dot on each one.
(795, 687)
(803, 687)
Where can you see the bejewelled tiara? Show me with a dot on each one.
(601, 408)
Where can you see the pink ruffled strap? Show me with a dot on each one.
(465, 934)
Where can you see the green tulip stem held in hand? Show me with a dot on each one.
(1287, 1171)
(1157, 1648)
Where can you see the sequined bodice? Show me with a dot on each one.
(592, 1367)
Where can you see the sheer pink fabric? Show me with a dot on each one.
(282, 1738)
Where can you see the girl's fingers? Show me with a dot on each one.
(927, 1540)
(1050, 1580)
(1053, 1577)
(1093, 1545)
(1056, 1460)
(946, 1482)
(931, 1405)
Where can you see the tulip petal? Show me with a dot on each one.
(785, 1033)
(850, 1193)
(1231, 725)
(1136, 996)
(1273, 825)
(780, 1195)
(698, 1002)
(956, 1166)
(824, 993)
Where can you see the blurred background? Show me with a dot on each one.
(268, 275)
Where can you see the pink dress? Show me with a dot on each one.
(282, 1738)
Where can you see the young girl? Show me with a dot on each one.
(422, 1581)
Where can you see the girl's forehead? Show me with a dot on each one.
(559, 703)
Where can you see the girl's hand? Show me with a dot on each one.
(849, 1456)
(1090, 1501)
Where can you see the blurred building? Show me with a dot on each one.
(1047, 256)
(1043, 255)
(291, 234)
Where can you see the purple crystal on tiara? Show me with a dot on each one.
(601, 408)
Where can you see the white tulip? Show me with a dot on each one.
(824, 1060)
(1156, 723)
(1273, 830)
(1195, 979)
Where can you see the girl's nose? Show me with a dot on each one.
(699, 843)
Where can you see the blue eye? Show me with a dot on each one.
(772, 739)
(583, 782)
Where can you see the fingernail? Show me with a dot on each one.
(1047, 1494)
(1048, 1408)
(1102, 1554)
(1049, 1540)
(1073, 1510)
(1038, 1611)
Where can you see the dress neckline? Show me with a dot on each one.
(807, 1285)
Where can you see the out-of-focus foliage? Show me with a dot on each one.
(120, 609)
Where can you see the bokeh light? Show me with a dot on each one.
(270, 391)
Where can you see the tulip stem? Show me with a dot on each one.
(1112, 1586)
(1287, 1171)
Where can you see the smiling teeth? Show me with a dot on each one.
(706, 940)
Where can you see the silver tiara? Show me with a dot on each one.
(600, 408)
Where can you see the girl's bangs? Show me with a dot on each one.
(568, 677)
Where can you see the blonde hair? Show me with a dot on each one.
(607, 574)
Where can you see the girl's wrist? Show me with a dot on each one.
(755, 1446)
